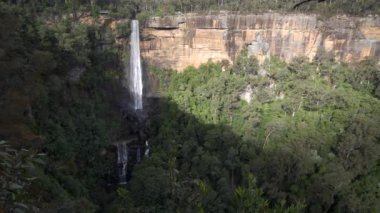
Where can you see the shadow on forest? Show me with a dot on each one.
(185, 153)
(194, 164)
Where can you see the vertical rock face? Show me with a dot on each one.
(180, 41)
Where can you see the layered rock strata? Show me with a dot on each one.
(180, 41)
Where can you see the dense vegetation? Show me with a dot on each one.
(327, 7)
(59, 96)
(307, 141)
(145, 8)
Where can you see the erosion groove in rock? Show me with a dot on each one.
(179, 41)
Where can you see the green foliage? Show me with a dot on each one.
(250, 199)
(56, 99)
(123, 30)
(143, 8)
(309, 135)
(326, 8)
(366, 76)
(16, 166)
(245, 64)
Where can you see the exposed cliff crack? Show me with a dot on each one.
(163, 28)
(221, 37)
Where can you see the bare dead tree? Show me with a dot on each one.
(305, 1)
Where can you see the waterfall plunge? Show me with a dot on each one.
(122, 161)
(135, 74)
(135, 86)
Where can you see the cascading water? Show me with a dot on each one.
(122, 161)
(146, 148)
(138, 155)
(135, 86)
(135, 74)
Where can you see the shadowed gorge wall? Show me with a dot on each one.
(179, 41)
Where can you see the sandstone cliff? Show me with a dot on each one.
(179, 41)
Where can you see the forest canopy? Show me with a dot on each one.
(142, 8)
(307, 141)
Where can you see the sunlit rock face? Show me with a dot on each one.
(179, 41)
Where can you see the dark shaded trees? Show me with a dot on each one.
(316, 145)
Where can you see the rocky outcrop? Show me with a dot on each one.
(179, 41)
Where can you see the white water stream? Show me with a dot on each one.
(135, 86)
(135, 74)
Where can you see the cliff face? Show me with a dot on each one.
(179, 41)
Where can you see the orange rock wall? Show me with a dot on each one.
(180, 41)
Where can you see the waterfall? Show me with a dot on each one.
(135, 74)
(135, 86)
(138, 155)
(146, 148)
(122, 161)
